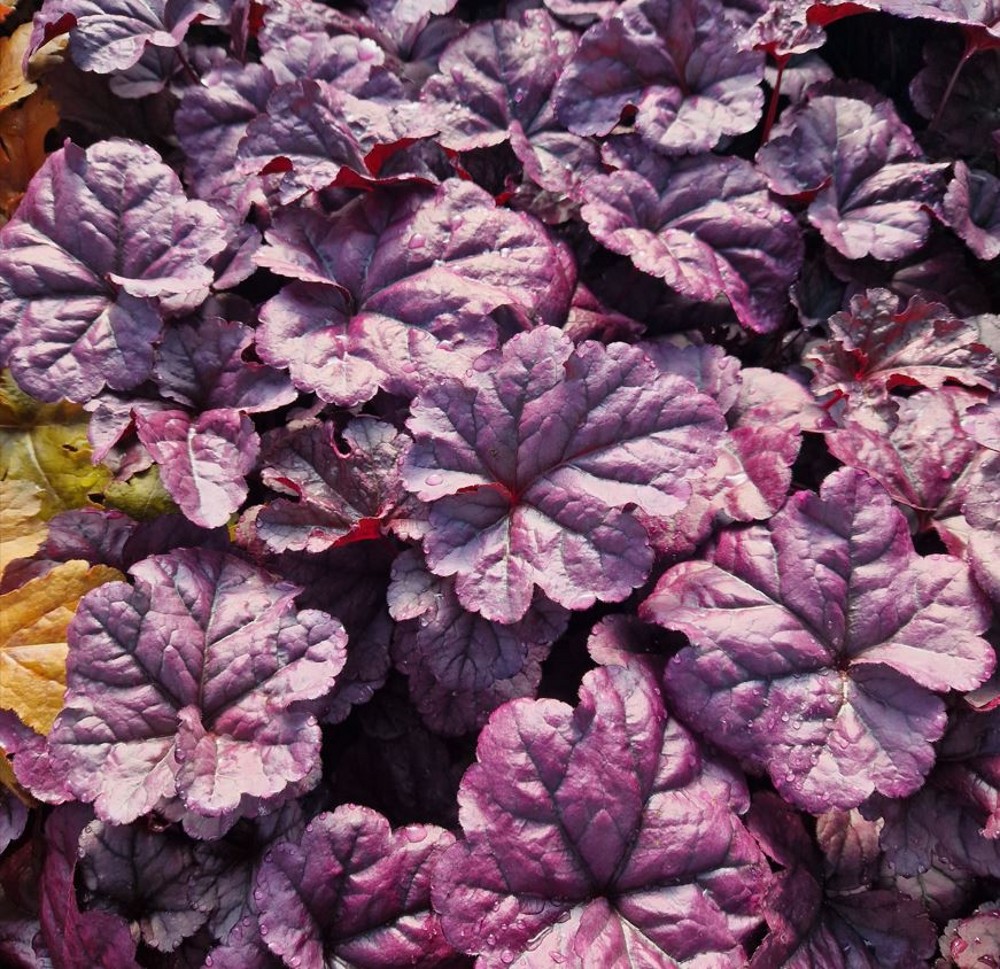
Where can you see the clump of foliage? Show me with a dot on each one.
(503, 484)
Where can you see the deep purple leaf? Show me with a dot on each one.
(600, 835)
(83, 297)
(461, 667)
(968, 117)
(815, 923)
(99, 536)
(971, 206)
(13, 818)
(161, 882)
(226, 675)
(397, 766)
(350, 582)
(354, 892)
(203, 461)
(878, 344)
(401, 289)
(955, 819)
(676, 62)
(112, 35)
(203, 365)
(861, 170)
(344, 491)
(705, 225)
(868, 633)
(76, 939)
(531, 459)
(851, 851)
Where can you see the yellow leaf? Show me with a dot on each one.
(21, 527)
(22, 146)
(14, 86)
(46, 445)
(141, 497)
(33, 622)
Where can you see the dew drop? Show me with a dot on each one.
(507, 957)
(433, 480)
(482, 364)
(556, 957)
(519, 94)
(417, 241)
(491, 939)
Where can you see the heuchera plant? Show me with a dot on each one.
(534, 469)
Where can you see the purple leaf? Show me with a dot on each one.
(705, 225)
(350, 581)
(599, 835)
(461, 667)
(203, 461)
(860, 168)
(397, 287)
(677, 63)
(531, 459)
(354, 892)
(226, 675)
(982, 423)
(345, 492)
(84, 295)
(495, 85)
(348, 62)
(850, 847)
(211, 121)
(925, 462)
(76, 939)
(954, 820)
(159, 881)
(112, 35)
(399, 767)
(317, 136)
(815, 923)
(819, 642)
(971, 206)
(877, 345)
(13, 818)
(203, 365)
(968, 117)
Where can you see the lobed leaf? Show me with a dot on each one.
(531, 459)
(819, 642)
